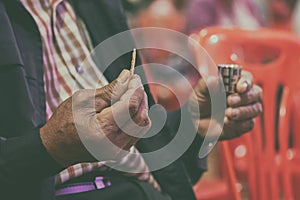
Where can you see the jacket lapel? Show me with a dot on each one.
(10, 54)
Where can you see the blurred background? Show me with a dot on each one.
(262, 36)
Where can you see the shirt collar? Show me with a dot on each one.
(46, 3)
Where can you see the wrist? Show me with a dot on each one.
(64, 148)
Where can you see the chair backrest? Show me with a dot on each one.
(273, 58)
(221, 183)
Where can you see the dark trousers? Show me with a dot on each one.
(121, 190)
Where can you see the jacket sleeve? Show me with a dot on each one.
(178, 176)
(201, 14)
(25, 158)
(194, 165)
(22, 154)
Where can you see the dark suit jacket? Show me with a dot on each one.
(24, 163)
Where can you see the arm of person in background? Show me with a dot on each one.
(200, 14)
(21, 156)
(243, 107)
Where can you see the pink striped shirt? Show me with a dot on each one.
(68, 67)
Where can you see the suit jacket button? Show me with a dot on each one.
(79, 69)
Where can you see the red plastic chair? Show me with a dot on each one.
(163, 14)
(225, 186)
(273, 58)
(290, 142)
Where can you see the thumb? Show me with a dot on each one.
(112, 92)
(205, 87)
(201, 97)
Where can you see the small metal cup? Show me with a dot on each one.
(230, 74)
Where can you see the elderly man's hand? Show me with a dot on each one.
(243, 107)
(107, 119)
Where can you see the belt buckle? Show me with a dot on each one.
(101, 182)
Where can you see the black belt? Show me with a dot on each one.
(74, 188)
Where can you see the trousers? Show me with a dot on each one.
(121, 189)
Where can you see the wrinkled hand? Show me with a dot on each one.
(107, 119)
(243, 107)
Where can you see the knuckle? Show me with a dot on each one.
(251, 95)
(258, 92)
(259, 89)
(135, 82)
(140, 91)
(234, 113)
(148, 124)
(260, 108)
(251, 111)
(145, 122)
(257, 108)
(135, 101)
(133, 107)
(130, 143)
(237, 113)
(107, 92)
(137, 95)
(144, 119)
(107, 126)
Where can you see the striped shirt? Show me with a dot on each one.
(68, 67)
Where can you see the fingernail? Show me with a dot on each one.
(211, 79)
(244, 86)
(136, 76)
(145, 116)
(234, 113)
(234, 100)
(124, 76)
(136, 79)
